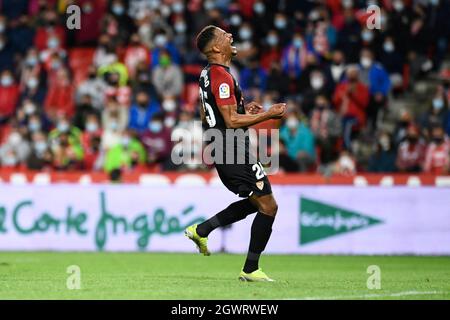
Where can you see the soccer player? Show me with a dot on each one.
(223, 109)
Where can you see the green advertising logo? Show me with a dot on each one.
(319, 221)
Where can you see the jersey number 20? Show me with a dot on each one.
(209, 113)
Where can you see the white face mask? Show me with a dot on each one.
(245, 33)
(272, 40)
(29, 108)
(178, 7)
(235, 20)
(280, 23)
(169, 122)
(7, 81)
(160, 40)
(388, 46)
(91, 126)
(40, 146)
(180, 27)
(259, 7)
(292, 122)
(169, 105)
(367, 35)
(32, 83)
(63, 126)
(15, 138)
(366, 62)
(398, 5)
(438, 104)
(316, 82)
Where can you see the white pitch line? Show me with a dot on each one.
(368, 296)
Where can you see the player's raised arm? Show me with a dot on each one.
(235, 120)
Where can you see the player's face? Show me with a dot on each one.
(225, 41)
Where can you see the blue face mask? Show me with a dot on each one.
(155, 126)
(40, 146)
(118, 10)
(298, 43)
(438, 104)
(272, 40)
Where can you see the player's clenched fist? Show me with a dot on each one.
(278, 110)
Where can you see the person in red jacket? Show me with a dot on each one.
(351, 98)
(437, 158)
(60, 95)
(9, 94)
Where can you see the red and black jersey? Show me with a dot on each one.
(218, 88)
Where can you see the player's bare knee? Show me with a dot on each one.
(270, 208)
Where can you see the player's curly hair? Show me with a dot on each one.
(205, 36)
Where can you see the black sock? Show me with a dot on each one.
(233, 213)
(260, 234)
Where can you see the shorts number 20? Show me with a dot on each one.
(259, 170)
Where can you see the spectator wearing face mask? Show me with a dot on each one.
(52, 35)
(135, 53)
(9, 95)
(162, 46)
(157, 142)
(33, 81)
(60, 95)
(345, 165)
(337, 67)
(91, 142)
(36, 123)
(94, 87)
(126, 155)
(299, 141)
(392, 60)
(411, 152)
(15, 150)
(115, 67)
(91, 13)
(142, 112)
(83, 110)
(67, 153)
(384, 157)
(167, 77)
(293, 59)
(326, 126)
(63, 126)
(285, 29)
(351, 98)
(40, 157)
(377, 79)
(120, 21)
(314, 85)
(437, 157)
(271, 51)
(436, 114)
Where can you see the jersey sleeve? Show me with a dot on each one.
(222, 86)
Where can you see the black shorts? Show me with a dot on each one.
(244, 179)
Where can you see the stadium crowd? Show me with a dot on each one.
(340, 80)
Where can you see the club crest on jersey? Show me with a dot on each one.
(224, 91)
(260, 185)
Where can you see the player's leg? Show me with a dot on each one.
(233, 213)
(260, 233)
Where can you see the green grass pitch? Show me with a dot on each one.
(43, 275)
